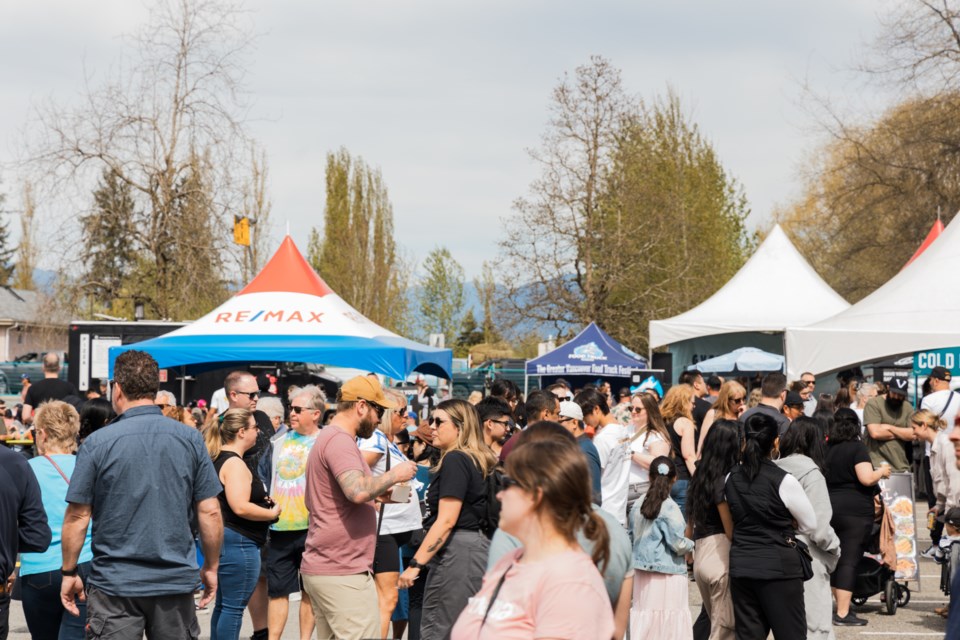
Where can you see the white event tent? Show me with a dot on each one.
(774, 290)
(918, 309)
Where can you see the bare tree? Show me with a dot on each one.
(169, 124)
(27, 248)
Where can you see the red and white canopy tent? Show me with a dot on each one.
(287, 313)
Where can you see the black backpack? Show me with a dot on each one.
(490, 513)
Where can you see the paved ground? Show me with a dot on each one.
(916, 620)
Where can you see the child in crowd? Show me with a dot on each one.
(660, 607)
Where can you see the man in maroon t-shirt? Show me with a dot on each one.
(342, 533)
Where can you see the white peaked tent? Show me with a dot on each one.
(774, 290)
(919, 308)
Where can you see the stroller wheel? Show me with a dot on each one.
(903, 595)
(859, 601)
(892, 594)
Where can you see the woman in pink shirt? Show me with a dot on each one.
(548, 588)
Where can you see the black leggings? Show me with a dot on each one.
(854, 532)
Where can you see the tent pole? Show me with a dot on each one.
(526, 383)
(183, 386)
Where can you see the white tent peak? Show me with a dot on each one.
(776, 288)
(917, 309)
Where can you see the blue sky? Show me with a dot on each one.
(445, 97)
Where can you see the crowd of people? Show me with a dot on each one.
(564, 513)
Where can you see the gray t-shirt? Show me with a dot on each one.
(618, 568)
(143, 475)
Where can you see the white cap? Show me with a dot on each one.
(571, 410)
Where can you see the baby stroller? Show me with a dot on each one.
(873, 576)
(949, 563)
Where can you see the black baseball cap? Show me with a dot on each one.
(898, 385)
(940, 373)
(952, 517)
(793, 398)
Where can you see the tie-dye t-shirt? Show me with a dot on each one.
(290, 480)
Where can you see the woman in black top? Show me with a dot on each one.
(454, 545)
(766, 574)
(710, 525)
(851, 481)
(247, 512)
(677, 412)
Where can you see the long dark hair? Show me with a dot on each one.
(759, 433)
(721, 449)
(662, 474)
(805, 437)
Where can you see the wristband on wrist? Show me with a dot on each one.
(413, 564)
(70, 573)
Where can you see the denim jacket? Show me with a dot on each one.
(659, 545)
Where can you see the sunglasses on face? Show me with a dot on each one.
(506, 482)
(636, 410)
(380, 410)
(739, 400)
(297, 410)
(250, 394)
(502, 423)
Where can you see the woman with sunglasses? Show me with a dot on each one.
(247, 512)
(731, 403)
(549, 587)
(454, 545)
(649, 440)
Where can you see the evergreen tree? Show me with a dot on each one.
(6, 250)
(356, 254)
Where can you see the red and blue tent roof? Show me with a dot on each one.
(591, 353)
(287, 313)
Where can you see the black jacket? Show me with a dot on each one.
(23, 522)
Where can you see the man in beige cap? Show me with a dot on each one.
(342, 535)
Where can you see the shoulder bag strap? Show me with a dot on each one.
(57, 467)
(496, 592)
(946, 406)
(383, 505)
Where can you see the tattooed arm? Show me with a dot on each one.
(436, 537)
(360, 488)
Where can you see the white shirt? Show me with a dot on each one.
(611, 443)
(219, 402)
(936, 402)
(397, 518)
(639, 475)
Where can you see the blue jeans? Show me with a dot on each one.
(679, 494)
(46, 617)
(237, 577)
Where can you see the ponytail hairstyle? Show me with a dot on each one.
(721, 449)
(759, 436)
(224, 430)
(928, 419)
(548, 464)
(662, 474)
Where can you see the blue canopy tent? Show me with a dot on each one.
(591, 354)
(287, 313)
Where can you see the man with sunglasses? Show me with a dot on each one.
(342, 536)
(496, 421)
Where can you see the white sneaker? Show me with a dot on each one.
(931, 552)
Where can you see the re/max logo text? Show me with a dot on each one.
(267, 316)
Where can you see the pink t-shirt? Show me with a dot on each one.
(562, 597)
(342, 534)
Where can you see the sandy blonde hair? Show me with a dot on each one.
(61, 423)
(469, 435)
